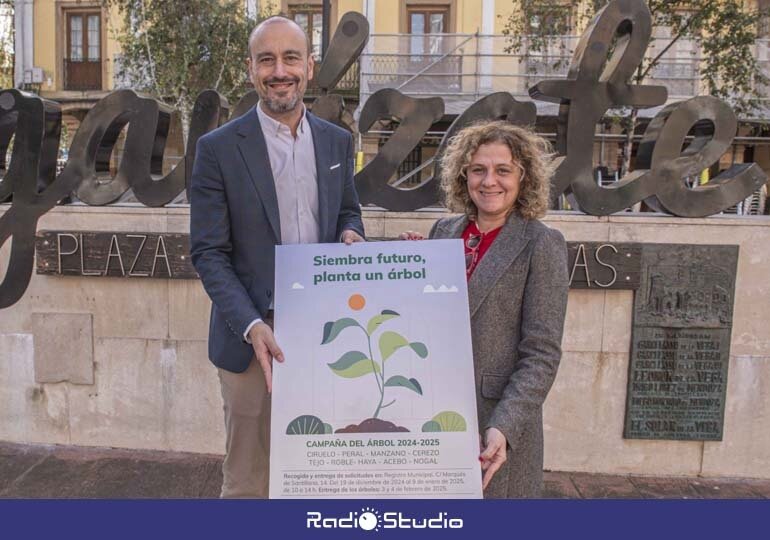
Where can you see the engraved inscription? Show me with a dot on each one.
(678, 382)
(680, 350)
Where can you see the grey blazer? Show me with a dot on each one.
(518, 299)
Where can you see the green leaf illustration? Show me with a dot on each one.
(399, 380)
(328, 429)
(390, 342)
(333, 328)
(450, 421)
(306, 425)
(377, 320)
(354, 364)
(419, 348)
(431, 427)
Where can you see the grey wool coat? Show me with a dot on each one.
(518, 300)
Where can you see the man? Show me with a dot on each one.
(276, 175)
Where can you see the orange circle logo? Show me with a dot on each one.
(356, 302)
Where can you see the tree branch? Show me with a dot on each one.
(149, 52)
(224, 61)
(667, 48)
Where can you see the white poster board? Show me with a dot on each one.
(376, 397)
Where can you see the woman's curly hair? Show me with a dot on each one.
(528, 149)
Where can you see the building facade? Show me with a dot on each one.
(67, 51)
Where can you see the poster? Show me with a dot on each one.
(376, 397)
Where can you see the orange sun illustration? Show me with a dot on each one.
(356, 302)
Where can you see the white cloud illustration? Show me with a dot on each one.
(441, 289)
(297, 286)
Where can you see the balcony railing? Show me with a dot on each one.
(461, 68)
(82, 75)
(350, 83)
(348, 86)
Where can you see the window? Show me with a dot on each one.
(553, 20)
(83, 59)
(93, 45)
(679, 68)
(432, 53)
(552, 24)
(76, 38)
(84, 36)
(424, 20)
(311, 21)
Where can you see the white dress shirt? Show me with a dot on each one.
(292, 161)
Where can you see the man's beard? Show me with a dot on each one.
(277, 105)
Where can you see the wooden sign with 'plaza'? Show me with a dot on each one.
(114, 254)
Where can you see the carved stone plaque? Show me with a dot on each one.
(681, 343)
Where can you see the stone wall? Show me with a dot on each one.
(122, 362)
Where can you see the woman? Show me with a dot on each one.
(497, 175)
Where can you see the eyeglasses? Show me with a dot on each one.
(472, 257)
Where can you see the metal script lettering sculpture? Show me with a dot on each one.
(415, 117)
(594, 85)
(32, 163)
(660, 152)
(346, 46)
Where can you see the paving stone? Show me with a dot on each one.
(600, 486)
(713, 488)
(91, 475)
(85, 472)
(664, 488)
(558, 485)
(15, 461)
(140, 478)
(52, 478)
(760, 487)
(213, 485)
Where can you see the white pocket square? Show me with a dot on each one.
(334, 167)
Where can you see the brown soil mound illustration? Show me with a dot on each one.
(373, 425)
